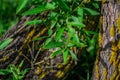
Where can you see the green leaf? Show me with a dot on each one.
(97, 0)
(91, 11)
(76, 38)
(48, 41)
(96, 5)
(40, 38)
(34, 22)
(77, 21)
(5, 43)
(62, 4)
(24, 72)
(80, 13)
(50, 6)
(70, 44)
(4, 71)
(82, 45)
(50, 31)
(71, 32)
(73, 55)
(53, 45)
(73, 43)
(20, 65)
(55, 53)
(79, 24)
(91, 47)
(39, 9)
(21, 5)
(14, 71)
(59, 33)
(65, 55)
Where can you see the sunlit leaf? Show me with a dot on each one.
(20, 65)
(21, 5)
(62, 4)
(23, 72)
(73, 55)
(71, 32)
(34, 22)
(39, 38)
(4, 71)
(14, 72)
(50, 31)
(55, 53)
(97, 0)
(48, 41)
(65, 55)
(53, 45)
(96, 5)
(59, 33)
(39, 9)
(91, 11)
(80, 13)
(76, 38)
(5, 43)
(79, 24)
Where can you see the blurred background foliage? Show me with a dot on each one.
(83, 69)
(8, 17)
(7, 14)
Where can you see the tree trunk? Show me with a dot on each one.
(107, 65)
(37, 59)
(23, 47)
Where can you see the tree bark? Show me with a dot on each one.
(107, 65)
(23, 47)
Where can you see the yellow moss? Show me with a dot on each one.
(113, 75)
(41, 32)
(43, 75)
(118, 24)
(113, 54)
(117, 78)
(59, 74)
(112, 57)
(5, 58)
(67, 67)
(118, 45)
(51, 70)
(105, 74)
(103, 1)
(115, 63)
(100, 39)
(38, 70)
(119, 66)
(27, 40)
(114, 47)
(60, 65)
(29, 36)
(112, 31)
(97, 69)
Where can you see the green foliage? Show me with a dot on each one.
(39, 9)
(7, 14)
(21, 5)
(15, 72)
(67, 29)
(5, 43)
(67, 21)
(91, 11)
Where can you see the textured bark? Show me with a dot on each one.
(24, 48)
(36, 58)
(107, 65)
